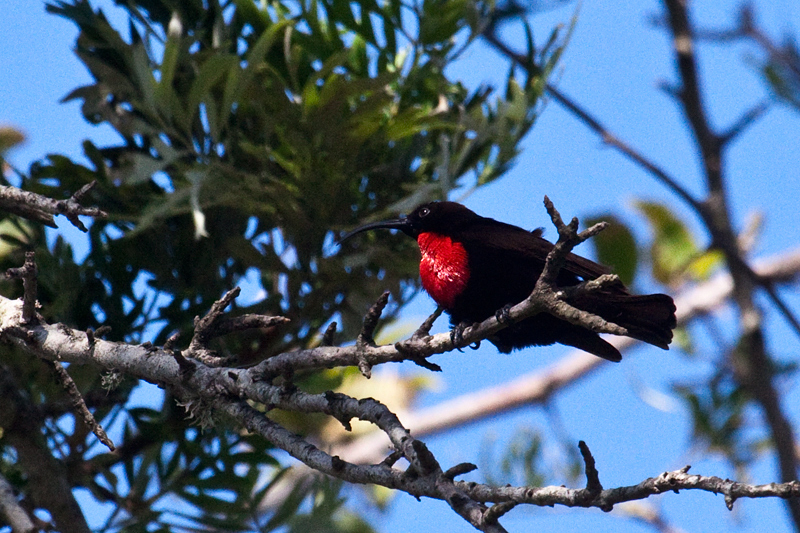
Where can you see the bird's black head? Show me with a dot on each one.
(437, 217)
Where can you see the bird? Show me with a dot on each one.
(476, 267)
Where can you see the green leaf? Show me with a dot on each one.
(211, 72)
(616, 247)
(673, 246)
(441, 20)
(164, 91)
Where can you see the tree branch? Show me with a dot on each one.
(752, 364)
(668, 481)
(79, 405)
(46, 477)
(593, 123)
(11, 511)
(538, 386)
(208, 390)
(42, 209)
(27, 273)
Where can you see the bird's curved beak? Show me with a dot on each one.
(402, 223)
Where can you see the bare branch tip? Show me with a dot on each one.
(27, 272)
(425, 328)
(364, 367)
(328, 336)
(496, 511)
(371, 320)
(80, 193)
(459, 470)
(593, 484)
(171, 340)
(392, 458)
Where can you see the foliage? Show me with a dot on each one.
(249, 135)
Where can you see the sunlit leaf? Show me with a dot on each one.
(705, 264)
(615, 247)
(673, 246)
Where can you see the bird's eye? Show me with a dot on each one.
(424, 212)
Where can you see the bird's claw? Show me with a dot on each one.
(457, 334)
(503, 315)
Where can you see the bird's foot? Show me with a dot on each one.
(457, 334)
(503, 315)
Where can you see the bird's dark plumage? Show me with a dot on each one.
(473, 266)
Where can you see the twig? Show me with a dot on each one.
(79, 405)
(40, 208)
(610, 139)
(497, 510)
(328, 336)
(744, 122)
(459, 470)
(186, 366)
(204, 328)
(548, 297)
(371, 320)
(365, 338)
(214, 324)
(593, 485)
(422, 333)
(171, 340)
(424, 329)
(28, 274)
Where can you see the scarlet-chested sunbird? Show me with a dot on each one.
(474, 266)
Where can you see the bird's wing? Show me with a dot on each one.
(513, 241)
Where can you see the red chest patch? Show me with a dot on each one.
(444, 269)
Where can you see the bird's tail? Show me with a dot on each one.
(649, 318)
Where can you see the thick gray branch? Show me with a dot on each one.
(227, 390)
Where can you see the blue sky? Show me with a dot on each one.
(613, 66)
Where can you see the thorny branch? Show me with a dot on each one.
(538, 386)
